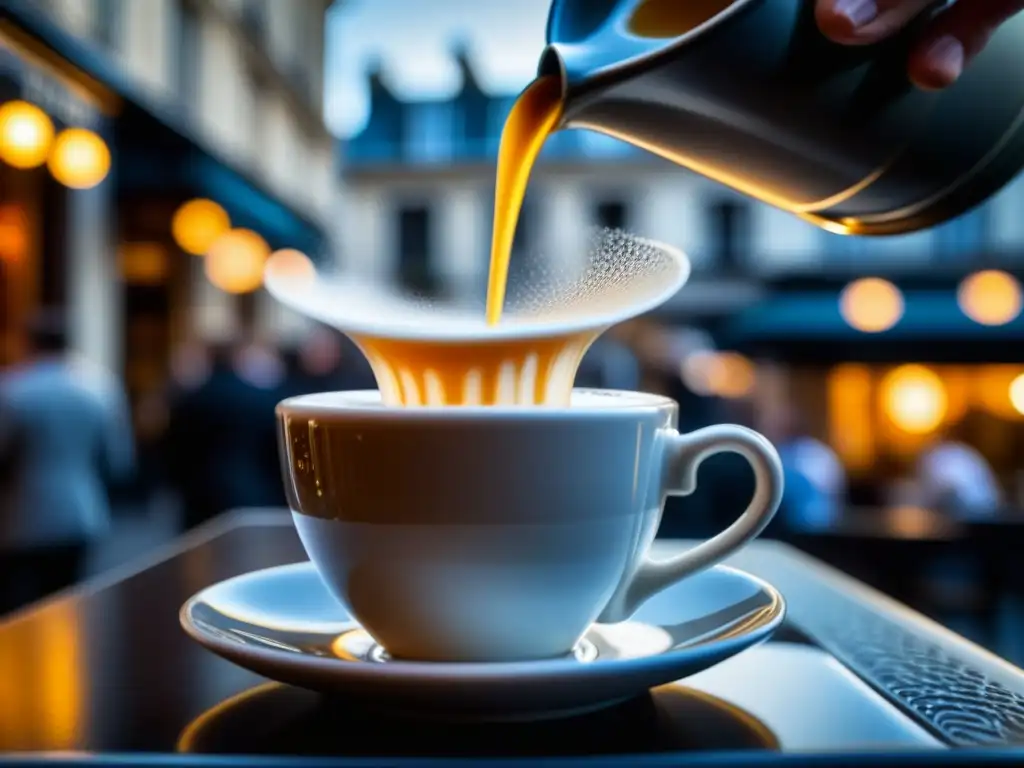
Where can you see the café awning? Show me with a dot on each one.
(932, 327)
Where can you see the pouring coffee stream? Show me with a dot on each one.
(749, 93)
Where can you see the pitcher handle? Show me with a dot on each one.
(682, 454)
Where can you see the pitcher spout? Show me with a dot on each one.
(576, 68)
(595, 46)
(552, 64)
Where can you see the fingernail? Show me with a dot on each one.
(857, 12)
(946, 57)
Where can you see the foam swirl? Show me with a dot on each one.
(426, 352)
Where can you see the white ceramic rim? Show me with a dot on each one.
(368, 404)
(524, 330)
(470, 671)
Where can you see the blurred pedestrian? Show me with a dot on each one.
(65, 436)
(816, 484)
(953, 477)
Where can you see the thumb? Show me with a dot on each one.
(956, 36)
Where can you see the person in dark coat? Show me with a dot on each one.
(221, 442)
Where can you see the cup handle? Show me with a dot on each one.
(682, 454)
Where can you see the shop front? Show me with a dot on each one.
(149, 236)
(884, 369)
(54, 166)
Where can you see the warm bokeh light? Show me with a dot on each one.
(1017, 393)
(851, 433)
(197, 224)
(26, 133)
(721, 374)
(914, 398)
(871, 305)
(235, 261)
(291, 264)
(991, 387)
(14, 240)
(990, 297)
(143, 263)
(79, 158)
(959, 385)
(910, 522)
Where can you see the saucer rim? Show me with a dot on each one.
(526, 331)
(474, 671)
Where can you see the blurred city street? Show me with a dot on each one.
(159, 157)
(333, 283)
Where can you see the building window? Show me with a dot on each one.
(967, 235)
(473, 123)
(526, 230)
(254, 19)
(845, 248)
(188, 52)
(107, 20)
(525, 239)
(561, 145)
(730, 233)
(602, 147)
(254, 100)
(306, 54)
(497, 112)
(301, 79)
(429, 131)
(527, 256)
(612, 214)
(415, 270)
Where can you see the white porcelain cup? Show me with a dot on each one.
(500, 533)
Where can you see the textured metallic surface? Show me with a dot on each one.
(961, 693)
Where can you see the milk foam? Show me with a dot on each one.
(426, 352)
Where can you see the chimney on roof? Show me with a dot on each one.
(375, 78)
(460, 49)
(374, 67)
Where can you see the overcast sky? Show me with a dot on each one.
(412, 40)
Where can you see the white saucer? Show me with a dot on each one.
(282, 623)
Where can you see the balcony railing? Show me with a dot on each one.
(567, 146)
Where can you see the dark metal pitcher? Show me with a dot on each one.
(757, 98)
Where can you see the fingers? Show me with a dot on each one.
(955, 37)
(860, 22)
(951, 40)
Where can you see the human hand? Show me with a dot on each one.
(947, 45)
